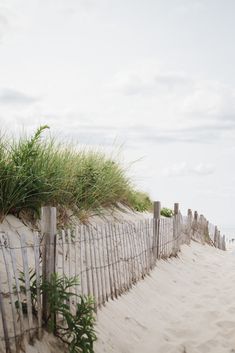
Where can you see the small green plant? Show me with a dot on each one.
(80, 334)
(167, 212)
(33, 291)
(139, 201)
(75, 330)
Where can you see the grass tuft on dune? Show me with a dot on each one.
(35, 172)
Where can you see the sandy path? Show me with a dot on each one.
(187, 305)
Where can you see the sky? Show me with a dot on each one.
(152, 82)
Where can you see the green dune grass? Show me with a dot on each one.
(35, 172)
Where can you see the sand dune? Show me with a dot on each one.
(186, 305)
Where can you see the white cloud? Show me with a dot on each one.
(11, 96)
(209, 98)
(187, 6)
(4, 22)
(185, 169)
(131, 83)
(176, 103)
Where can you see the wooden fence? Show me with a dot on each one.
(109, 260)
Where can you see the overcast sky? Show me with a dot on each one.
(155, 76)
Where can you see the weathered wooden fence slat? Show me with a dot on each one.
(93, 267)
(27, 283)
(69, 258)
(82, 280)
(4, 320)
(38, 282)
(98, 267)
(76, 262)
(18, 291)
(5, 245)
(104, 263)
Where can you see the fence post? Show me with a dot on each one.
(156, 217)
(207, 232)
(189, 221)
(224, 243)
(215, 237)
(48, 230)
(175, 229)
(219, 240)
(195, 225)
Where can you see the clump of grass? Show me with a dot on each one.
(36, 172)
(140, 201)
(167, 212)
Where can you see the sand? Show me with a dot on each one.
(186, 305)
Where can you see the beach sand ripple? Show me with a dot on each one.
(186, 306)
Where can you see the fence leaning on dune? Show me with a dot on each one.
(108, 259)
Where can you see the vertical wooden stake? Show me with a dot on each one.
(156, 217)
(48, 229)
(175, 229)
(189, 224)
(224, 243)
(215, 237)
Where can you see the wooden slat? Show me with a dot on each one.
(149, 238)
(63, 251)
(115, 259)
(5, 252)
(166, 237)
(152, 235)
(69, 259)
(38, 281)
(119, 256)
(97, 265)
(18, 291)
(140, 248)
(100, 264)
(124, 265)
(161, 224)
(4, 320)
(91, 260)
(146, 239)
(148, 243)
(68, 243)
(127, 255)
(100, 272)
(143, 246)
(27, 282)
(76, 261)
(134, 234)
(112, 257)
(134, 231)
(63, 244)
(87, 263)
(143, 236)
(131, 252)
(104, 263)
(81, 259)
(109, 262)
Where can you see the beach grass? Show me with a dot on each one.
(37, 171)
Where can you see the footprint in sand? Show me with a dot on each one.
(231, 310)
(212, 314)
(227, 324)
(131, 319)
